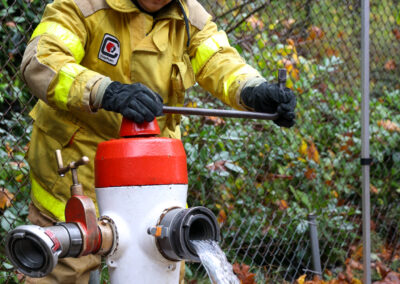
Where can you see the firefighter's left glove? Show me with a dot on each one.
(261, 96)
(134, 101)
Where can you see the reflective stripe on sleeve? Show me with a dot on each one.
(47, 201)
(247, 70)
(207, 49)
(66, 36)
(66, 77)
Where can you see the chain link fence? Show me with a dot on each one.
(261, 181)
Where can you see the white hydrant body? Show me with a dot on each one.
(134, 209)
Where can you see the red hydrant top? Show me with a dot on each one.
(140, 158)
(130, 129)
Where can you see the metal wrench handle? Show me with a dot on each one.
(220, 113)
(282, 74)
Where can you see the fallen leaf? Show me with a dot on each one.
(303, 148)
(382, 270)
(288, 23)
(5, 198)
(391, 278)
(331, 52)
(386, 254)
(312, 153)
(310, 174)
(283, 205)
(9, 150)
(221, 216)
(255, 22)
(390, 65)
(290, 41)
(358, 253)
(301, 279)
(214, 120)
(396, 33)
(11, 24)
(317, 280)
(389, 125)
(242, 272)
(19, 178)
(316, 33)
(342, 277)
(217, 166)
(373, 189)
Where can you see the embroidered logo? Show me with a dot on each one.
(110, 49)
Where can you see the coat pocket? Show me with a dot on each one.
(51, 131)
(54, 124)
(182, 76)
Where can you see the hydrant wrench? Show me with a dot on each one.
(229, 113)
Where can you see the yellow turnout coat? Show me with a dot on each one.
(80, 43)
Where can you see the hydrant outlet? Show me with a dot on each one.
(35, 250)
(179, 227)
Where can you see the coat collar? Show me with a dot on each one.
(127, 6)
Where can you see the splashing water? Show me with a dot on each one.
(214, 260)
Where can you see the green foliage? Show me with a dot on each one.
(254, 172)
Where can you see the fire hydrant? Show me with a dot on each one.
(144, 229)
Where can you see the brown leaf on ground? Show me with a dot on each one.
(242, 272)
(352, 265)
(316, 280)
(357, 252)
(5, 198)
(391, 278)
(386, 254)
(382, 270)
(301, 279)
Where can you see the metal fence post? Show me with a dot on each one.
(365, 153)
(314, 244)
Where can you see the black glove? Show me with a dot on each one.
(270, 98)
(135, 101)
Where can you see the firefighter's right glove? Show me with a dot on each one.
(270, 98)
(134, 101)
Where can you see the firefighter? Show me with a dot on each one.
(91, 61)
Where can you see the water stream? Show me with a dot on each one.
(214, 260)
